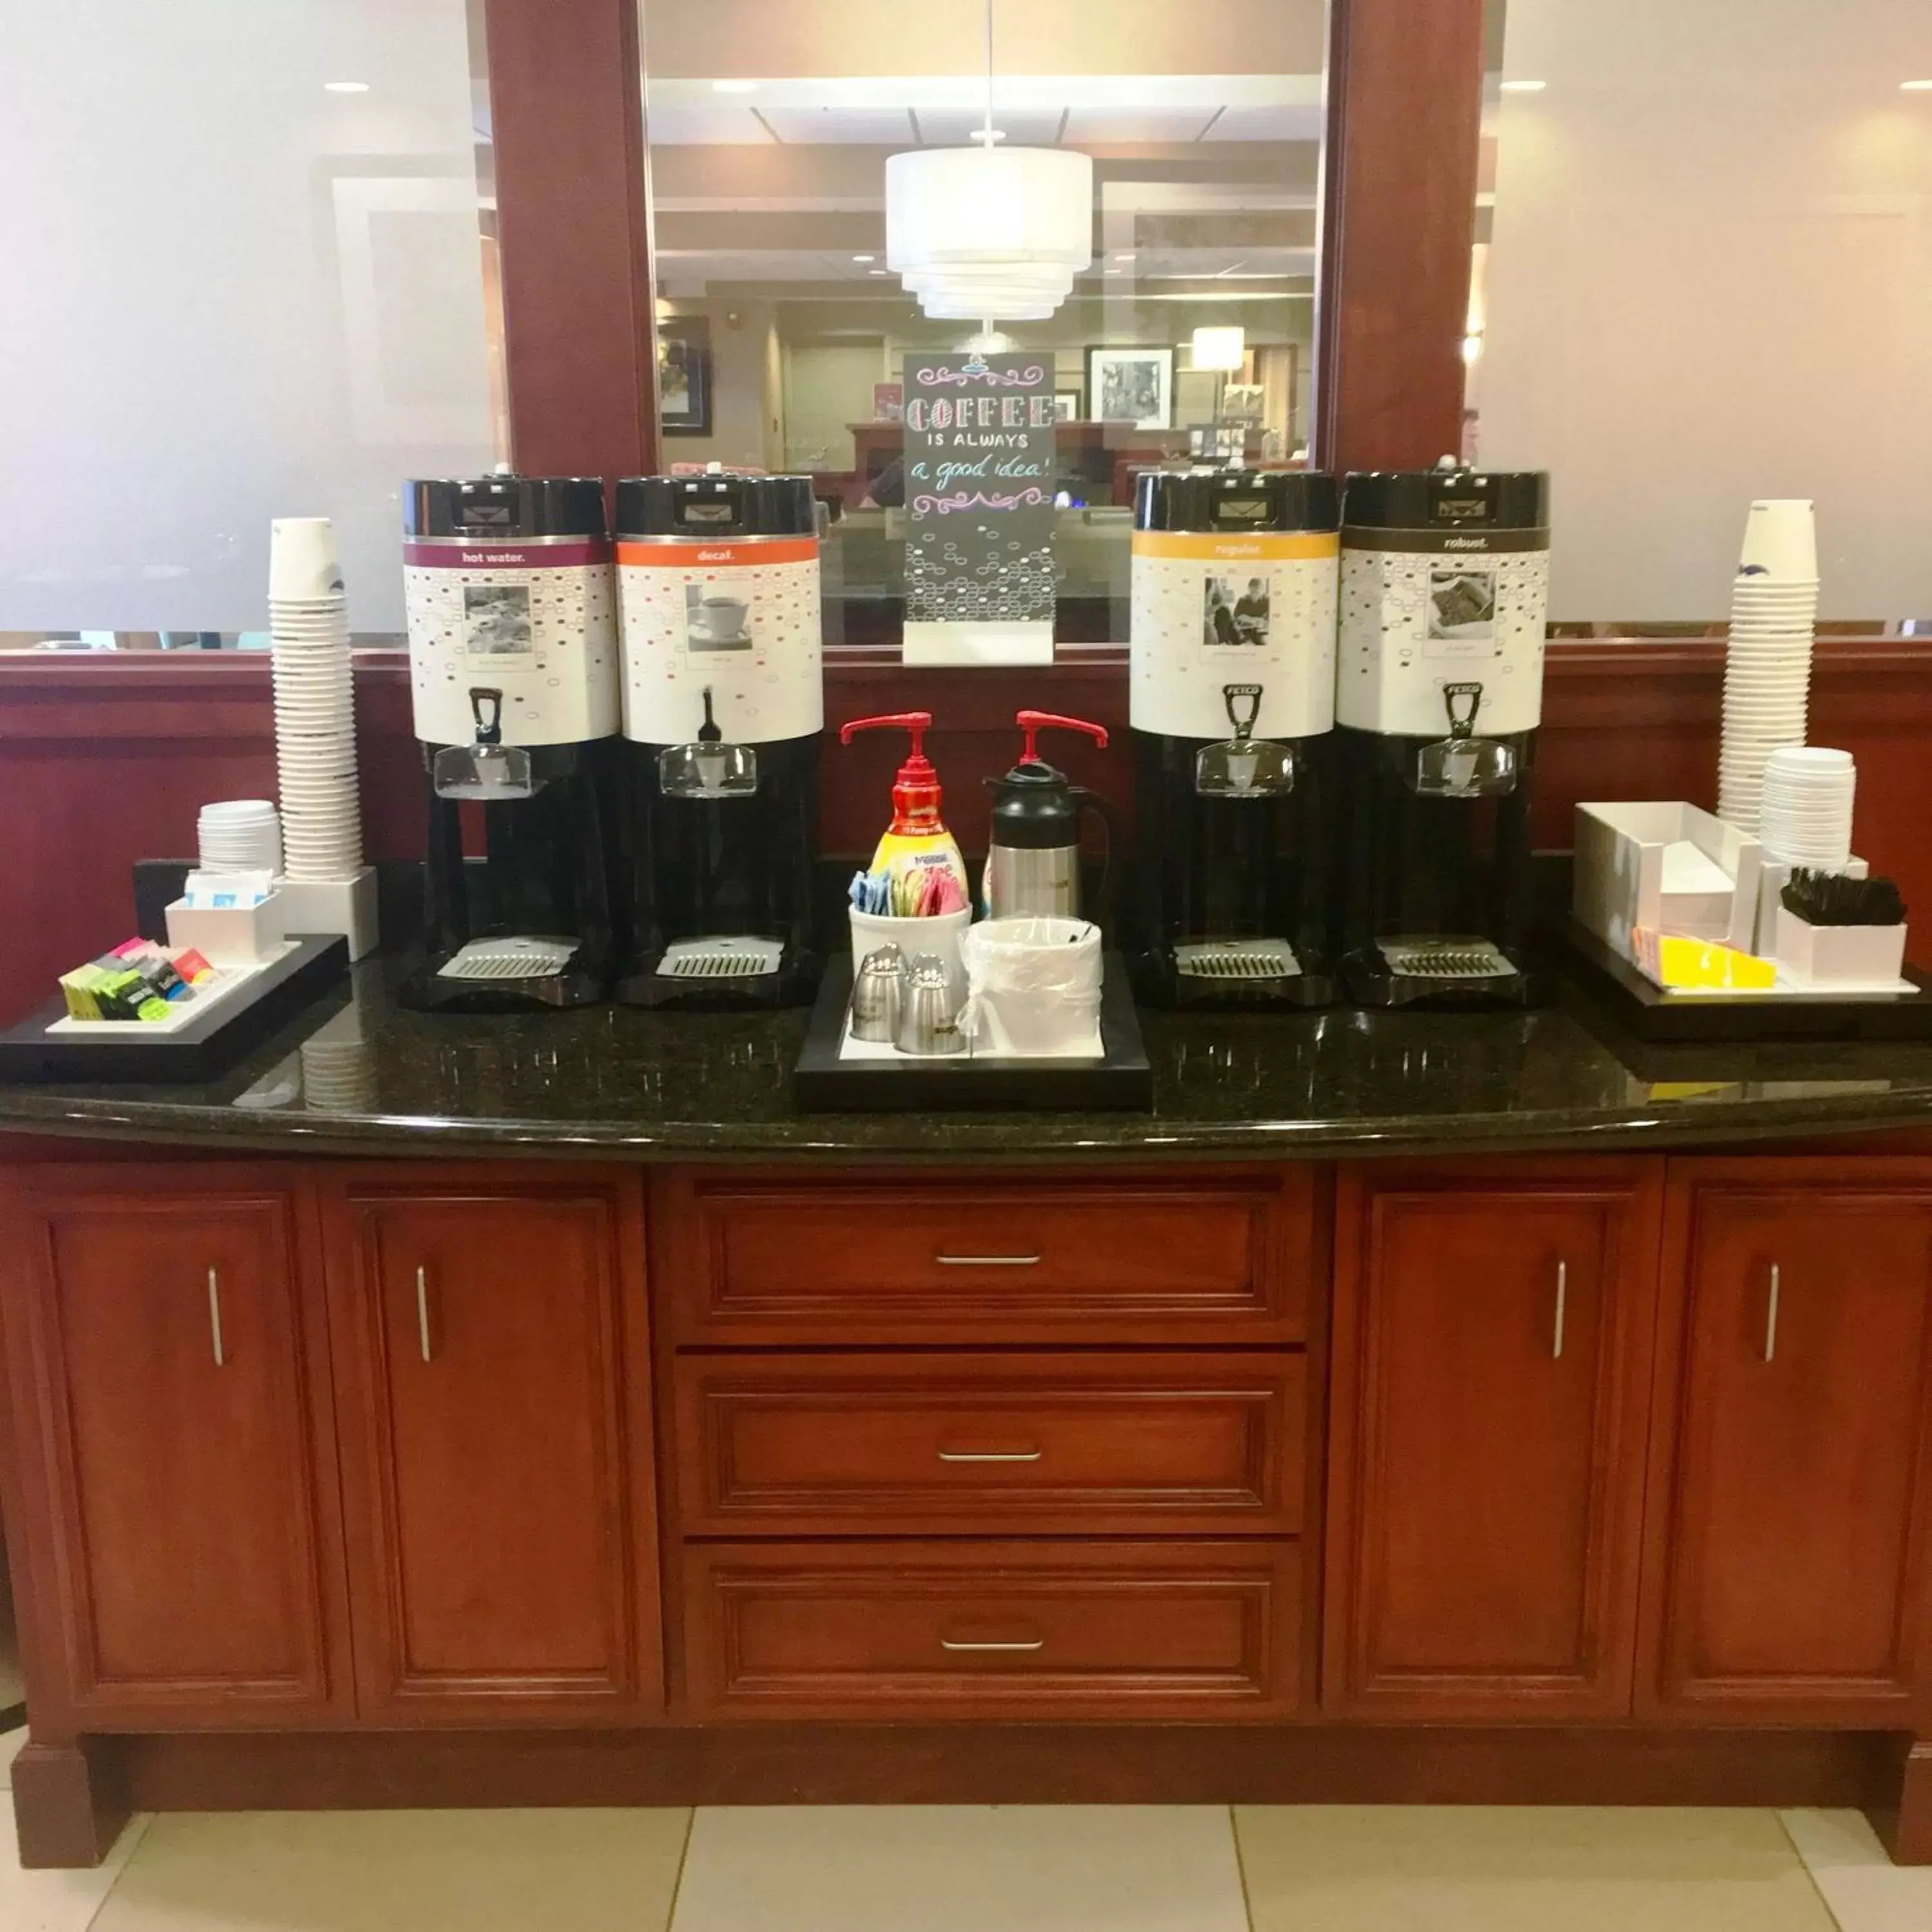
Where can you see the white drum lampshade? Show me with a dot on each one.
(989, 234)
(1219, 348)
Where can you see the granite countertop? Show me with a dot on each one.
(359, 1074)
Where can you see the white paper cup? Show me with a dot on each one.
(1781, 541)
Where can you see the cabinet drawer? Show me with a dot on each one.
(992, 1630)
(1078, 1444)
(914, 1258)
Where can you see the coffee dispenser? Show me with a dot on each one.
(1231, 698)
(513, 684)
(1445, 596)
(724, 701)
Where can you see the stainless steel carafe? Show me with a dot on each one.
(1032, 860)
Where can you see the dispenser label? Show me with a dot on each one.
(738, 617)
(543, 632)
(1416, 619)
(1232, 607)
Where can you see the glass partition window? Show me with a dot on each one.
(782, 331)
(249, 273)
(1703, 271)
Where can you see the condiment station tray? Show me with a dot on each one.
(46, 1045)
(1121, 1077)
(1647, 1011)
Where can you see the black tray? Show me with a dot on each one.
(208, 1044)
(1644, 1011)
(823, 1083)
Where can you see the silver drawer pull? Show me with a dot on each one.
(1030, 1643)
(1770, 1316)
(990, 1455)
(214, 1318)
(988, 1261)
(422, 1311)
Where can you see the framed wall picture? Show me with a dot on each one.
(1065, 405)
(1134, 386)
(684, 375)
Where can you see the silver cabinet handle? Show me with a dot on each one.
(422, 1311)
(988, 1261)
(1770, 1316)
(214, 1318)
(1562, 1305)
(989, 1455)
(1030, 1643)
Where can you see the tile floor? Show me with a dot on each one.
(1181, 1868)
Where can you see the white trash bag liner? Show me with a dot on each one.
(1033, 986)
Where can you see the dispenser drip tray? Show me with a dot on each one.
(732, 958)
(1445, 959)
(526, 956)
(1237, 959)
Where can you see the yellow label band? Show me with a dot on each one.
(1238, 546)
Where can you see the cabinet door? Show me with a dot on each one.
(1790, 1468)
(1491, 1339)
(166, 1350)
(492, 1367)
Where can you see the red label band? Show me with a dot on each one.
(505, 556)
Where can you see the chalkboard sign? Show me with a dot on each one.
(979, 469)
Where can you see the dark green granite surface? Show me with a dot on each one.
(370, 1077)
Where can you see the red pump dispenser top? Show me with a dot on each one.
(915, 798)
(1032, 722)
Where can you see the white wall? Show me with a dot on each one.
(227, 295)
(1711, 280)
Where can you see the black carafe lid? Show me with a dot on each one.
(716, 504)
(1034, 807)
(504, 506)
(1447, 497)
(1235, 499)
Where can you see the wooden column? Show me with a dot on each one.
(566, 103)
(1405, 123)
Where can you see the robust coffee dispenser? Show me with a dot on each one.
(1439, 691)
(1231, 698)
(724, 701)
(513, 683)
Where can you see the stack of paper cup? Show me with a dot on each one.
(240, 835)
(1768, 661)
(1806, 814)
(315, 718)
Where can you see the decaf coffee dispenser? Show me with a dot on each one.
(1232, 695)
(1439, 691)
(513, 681)
(724, 702)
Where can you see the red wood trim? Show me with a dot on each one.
(1400, 167)
(566, 103)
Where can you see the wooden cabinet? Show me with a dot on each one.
(492, 1375)
(1790, 1466)
(924, 1259)
(167, 1351)
(1491, 1355)
(1076, 1444)
(990, 1629)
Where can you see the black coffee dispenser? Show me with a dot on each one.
(1232, 692)
(724, 702)
(1444, 596)
(513, 681)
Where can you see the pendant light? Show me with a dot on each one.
(986, 233)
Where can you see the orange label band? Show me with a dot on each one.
(1234, 546)
(680, 555)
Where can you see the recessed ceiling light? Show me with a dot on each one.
(734, 87)
(865, 258)
(345, 87)
(878, 271)
(1524, 86)
(1127, 257)
(1915, 87)
(1114, 272)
